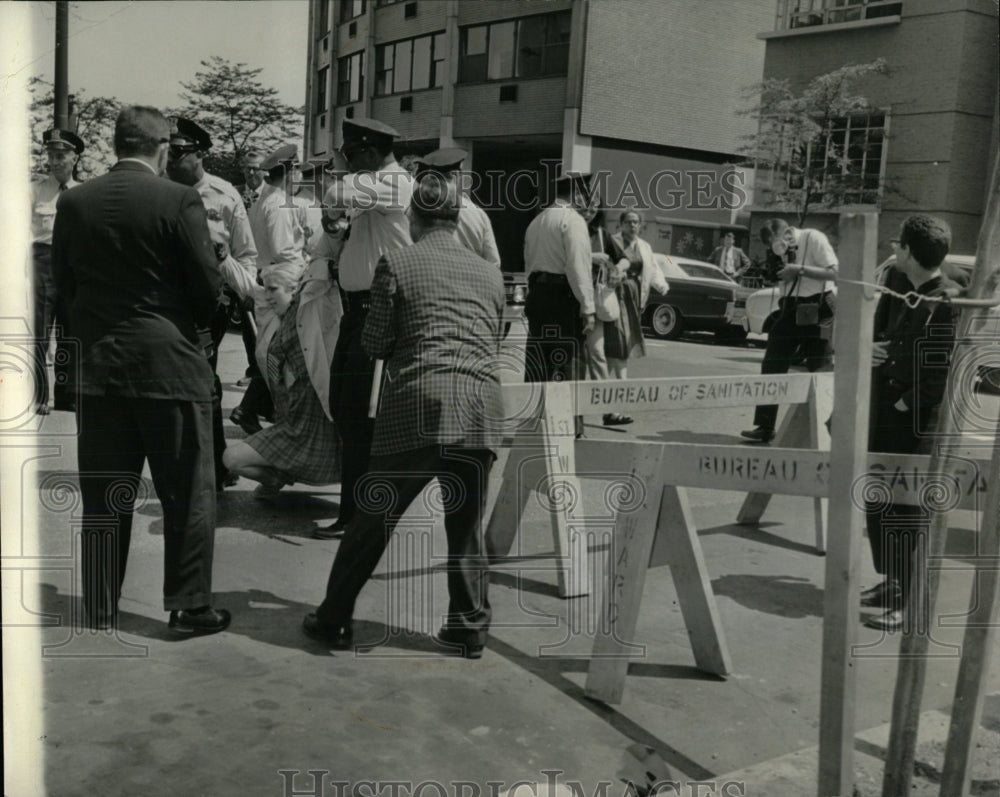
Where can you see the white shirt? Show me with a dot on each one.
(376, 204)
(475, 232)
(278, 227)
(44, 194)
(557, 241)
(228, 223)
(814, 249)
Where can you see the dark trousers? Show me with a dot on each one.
(351, 375)
(220, 323)
(463, 473)
(116, 436)
(785, 342)
(50, 316)
(895, 530)
(555, 347)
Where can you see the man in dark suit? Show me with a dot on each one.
(911, 357)
(729, 257)
(435, 318)
(132, 256)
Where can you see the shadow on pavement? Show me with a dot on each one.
(785, 596)
(757, 533)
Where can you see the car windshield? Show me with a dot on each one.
(704, 272)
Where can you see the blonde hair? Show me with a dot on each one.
(284, 274)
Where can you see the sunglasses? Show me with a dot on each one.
(179, 151)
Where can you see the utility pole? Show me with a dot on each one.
(61, 107)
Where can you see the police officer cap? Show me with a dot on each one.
(288, 152)
(443, 160)
(186, 133)
(368, 131)
(62, 139)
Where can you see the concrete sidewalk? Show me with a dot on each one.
(242, 712)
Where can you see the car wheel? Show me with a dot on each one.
(666, 322)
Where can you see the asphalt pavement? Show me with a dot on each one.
(263, 710)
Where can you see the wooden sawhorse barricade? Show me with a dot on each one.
(544, 456)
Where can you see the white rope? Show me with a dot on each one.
(912, 298)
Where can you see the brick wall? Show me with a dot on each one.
(473, 13)
(390, 24)
(423, 122)
(671, 73)
(539, 108)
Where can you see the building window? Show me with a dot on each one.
(410, 65)
(533, 46)
(321, 83)
(387, 2)
(806, 13)
(843, 165)
(323, 20)
(350, 9)
(350, 78)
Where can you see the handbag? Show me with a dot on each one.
(606, 304)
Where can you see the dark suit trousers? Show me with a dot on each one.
(351, 375)
(50, 316)
(391, 485)
(785, 342)
(116, 436)
(555, 347)
(893, 529)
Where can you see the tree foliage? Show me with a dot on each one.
(95, 124)
(798, 142)
(239, 113)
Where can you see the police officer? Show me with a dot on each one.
(234, 246)
(474, 229)
(375, 195)
(63, 150)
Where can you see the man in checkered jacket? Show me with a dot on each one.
(435, 319)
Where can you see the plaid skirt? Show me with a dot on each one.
(303, 442)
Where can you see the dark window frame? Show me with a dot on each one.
(346, 6)
(322, 90)
(345, 77)
(385, 78)
(553, 56)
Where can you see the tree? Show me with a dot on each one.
(239, 113)
(821, 148)
(95, 124)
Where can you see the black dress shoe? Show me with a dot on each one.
(332, 533)
(891, 621)
(469, 645)
(198, 622)
(245, 420)
(758, 435)
(886, 595)
(616, 419)
(339, 637)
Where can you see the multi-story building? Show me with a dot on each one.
(645, 93)
(930, 144)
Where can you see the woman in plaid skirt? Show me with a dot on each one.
(299, 321)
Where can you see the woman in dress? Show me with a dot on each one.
(623, 338)
(298, 325)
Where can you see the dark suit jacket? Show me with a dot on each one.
(131, 254)
(435, 318)
(740, 261)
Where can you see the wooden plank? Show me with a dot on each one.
(633, 541)
(688, 393)
(792, 433)
(820, 408)
(913, 646)
(514, 477)
(978, 646)
(848, 458)
(693, 583)
(563, 491)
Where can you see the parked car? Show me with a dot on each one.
(761, 307)
(701, 298)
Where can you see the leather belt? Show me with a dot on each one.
(548, 277)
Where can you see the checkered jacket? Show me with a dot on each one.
(435, 318)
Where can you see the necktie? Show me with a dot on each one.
(62, 186)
